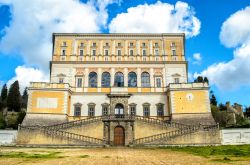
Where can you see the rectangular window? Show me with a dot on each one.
(79, 83)
(91, 111)
(81, 52)
(61, 80)
(156, 44)
(82, 44)
(156, 52)
(119, 52)
(107, 44)
(176, 80)
(132, 110)
(158, 82)
(144, 53)
(77, 111)
(106, 52)
(119, 44)
(105, 111)
(131, 52)
(146, 111)
(93, 52)
(94, 44)
(131, 44)
(64, 44)
(143, 44)
(160, 110)
(174, 52)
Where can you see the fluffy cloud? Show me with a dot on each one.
(196, 58)
(235, 30)
(25, 75)
(157, 18)
(234, 73)
(33, 23)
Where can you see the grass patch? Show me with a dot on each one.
(236, 151)
(47, 155)
(84, 156)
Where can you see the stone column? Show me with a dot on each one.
(152, 79)
(86, 79)
(99, 79)
(125, 77)
(88, 48)
(138, 72)
(112, 77)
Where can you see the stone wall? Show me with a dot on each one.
(194, 118)
(7, 137)
(93, 130)
(43, 119)
(235, 136)
(143, 129)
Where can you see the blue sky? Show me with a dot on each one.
(219, 50)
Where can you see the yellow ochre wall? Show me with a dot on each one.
(46, 94)
(181, 104)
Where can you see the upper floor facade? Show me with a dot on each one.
(118, 47)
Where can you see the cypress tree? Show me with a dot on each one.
(213, 99)
(14, 98)
(4, 92)
(25, 98)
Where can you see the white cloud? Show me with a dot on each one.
(25, 75)
(234, 73)
(235, 30)
(157, 18)
(33, 23)
(196, 58)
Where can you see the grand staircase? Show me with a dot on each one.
(58, 130)
(182, 129)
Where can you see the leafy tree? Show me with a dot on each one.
(14, 98)
(248, 112)
(20, 117)
(206, 80)
(213, 99)
(25, 98)
(222, 107)
(2, 121)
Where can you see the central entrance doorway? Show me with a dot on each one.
(119, 136)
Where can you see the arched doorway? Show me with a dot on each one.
(119, 136)
(119, 110)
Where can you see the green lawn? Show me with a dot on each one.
(217, 153)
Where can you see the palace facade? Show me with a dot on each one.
(116, 77)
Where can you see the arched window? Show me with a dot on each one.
(132, 79)
(145, 79)
(105, 79)
(91, 112)
(119, 79)
(77, 109)
(92, 79)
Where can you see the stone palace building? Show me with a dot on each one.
(117, 79)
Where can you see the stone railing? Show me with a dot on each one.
(188, 85)
(74, 123)
(119, 117)
(48, 85)
(68, 135)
